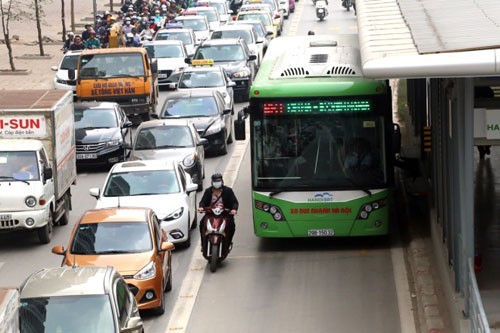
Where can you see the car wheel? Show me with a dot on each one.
(161, 309)
(45, 232)
(168, 286)
(195, 222)
(65, 218)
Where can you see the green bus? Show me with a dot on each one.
(322, 141)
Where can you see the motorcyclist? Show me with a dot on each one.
(92, 42)
(69, 41)
(220, 195)
(322, 4)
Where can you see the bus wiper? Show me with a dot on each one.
(273, 193)
(367, 191)
(14, 178)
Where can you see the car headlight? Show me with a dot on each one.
(113, 143)
(30, 201)
(61, 81)
(189, 160)
(242, 73)
(147, 272)
(176, 214)
(216, 127)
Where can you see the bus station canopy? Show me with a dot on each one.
(438, 38)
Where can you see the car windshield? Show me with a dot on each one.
(224, 34)
(111, 238)
(69, 62)
(199, 79)
(211, 15)
(255, 16)
(135, 183)
(164, 51)
(89, 313)
(220, 7)
(221, 53)
(95, 118)
(190, 107)
(18, 166)
(196, 25)
(111, 65)
(164, 137)
(185, 37)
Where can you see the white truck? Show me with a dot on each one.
(9, 310)
(37, 160)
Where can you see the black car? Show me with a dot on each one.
(234, 55)
(100, 131)
(206, 110)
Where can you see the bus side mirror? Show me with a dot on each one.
(239, 125)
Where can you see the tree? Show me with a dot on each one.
(36, 5)
(63, 20)
(10, 10)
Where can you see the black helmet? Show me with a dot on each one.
(216, 176)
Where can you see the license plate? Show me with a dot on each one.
(320, 232)
(162, 76)
(86, 156)
(5, 217)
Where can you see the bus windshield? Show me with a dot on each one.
(111, 65)
(334, 151)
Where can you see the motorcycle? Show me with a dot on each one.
(321, 9)
(347, 4)
(215, 248)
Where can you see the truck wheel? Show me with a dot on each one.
(45, 232)
(65, 217)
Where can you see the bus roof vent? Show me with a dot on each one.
(341, 70)
(294, 71)
(320, 58)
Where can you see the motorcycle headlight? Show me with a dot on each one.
(242, 73)
(176, 214)
(216, 127)
(113, 143)
(147, 272)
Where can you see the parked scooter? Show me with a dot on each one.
(321, 9)
(214, 245)
(347, 4)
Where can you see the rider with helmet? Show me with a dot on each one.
(220, 195)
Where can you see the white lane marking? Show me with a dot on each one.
(1, 264)
(406, 317)
(184, 305)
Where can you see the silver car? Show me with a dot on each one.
(175, 139)
(78, 299)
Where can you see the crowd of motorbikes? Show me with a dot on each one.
(322, 7)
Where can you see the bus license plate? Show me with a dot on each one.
(319, 232)
(86, 156)
(5, 217)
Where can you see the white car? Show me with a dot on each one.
(221, 6)
(161, 185)
(284, 8)
(198, 23)
(170, 56)
(208, 77)
(68, 62)
(210, 13)
(185, 35)
(246, 32)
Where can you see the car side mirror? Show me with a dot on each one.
(269, 33)
(231, 84)
(260, 40)
(54, 68)
(95, 192)
(252, 57)
(47, 173)
(191, 187)
(188, 60)
(134, 325)
(167, 246)
(154, 116)
(227, 111)
(71, 74)
(203, 142)
(127, 124)
(59, 249)
(154, 66)
(172, 85)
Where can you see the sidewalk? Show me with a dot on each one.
(431, 313)
(39, 75)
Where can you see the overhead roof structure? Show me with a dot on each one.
(423, 38)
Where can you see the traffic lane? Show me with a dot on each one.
(296, 285)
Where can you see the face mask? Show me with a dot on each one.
(217, 184)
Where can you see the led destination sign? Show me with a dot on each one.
(317, 106)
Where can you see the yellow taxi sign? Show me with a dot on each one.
(253, 1)
(202, 62)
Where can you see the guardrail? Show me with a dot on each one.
(479, 322)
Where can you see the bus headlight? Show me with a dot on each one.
(370, 207)
(273, 210)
